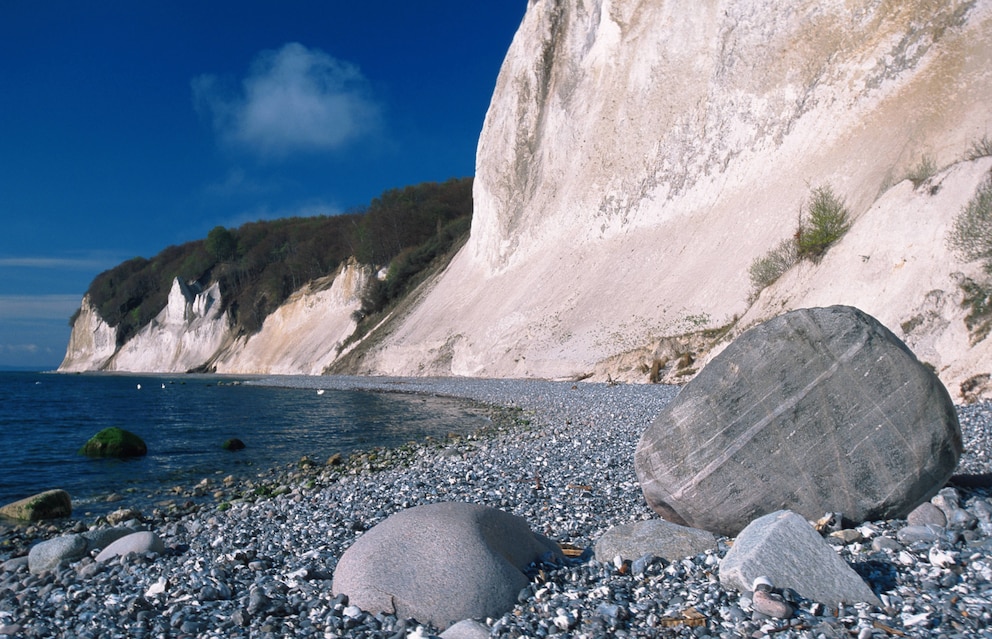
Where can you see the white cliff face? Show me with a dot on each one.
(638, 156)
(304, 335)
(185, 335)
(92, 342)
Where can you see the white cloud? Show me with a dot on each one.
(293, 99)
(38, 307)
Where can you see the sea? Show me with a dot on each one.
(45, 418)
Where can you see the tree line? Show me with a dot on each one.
(259, 264)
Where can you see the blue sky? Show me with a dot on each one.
(129, 126)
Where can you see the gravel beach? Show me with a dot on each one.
(255, 559)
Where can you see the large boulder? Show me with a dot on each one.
(51, 504)
(114, 442)
(818, 410)
(441, 563)
(784, 547)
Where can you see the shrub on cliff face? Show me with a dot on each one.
(826, 223)
(823, 222)
(971, 234)
(971, 238)
(766, 269)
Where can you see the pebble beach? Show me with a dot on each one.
(255, 558)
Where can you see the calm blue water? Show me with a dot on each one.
(46, 418)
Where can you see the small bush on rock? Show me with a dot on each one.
(979, 149)
(923, 171)
(765, 270)
(821, 223)
(971, 234)
(971, 238)
(826, 223)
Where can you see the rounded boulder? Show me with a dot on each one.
(817, 410)
(51, 504)
(441, 563)
(114, 442)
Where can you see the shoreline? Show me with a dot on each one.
(563, 461)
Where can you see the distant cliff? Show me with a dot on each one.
(637, 158)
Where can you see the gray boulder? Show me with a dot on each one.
(654, 537)
(51, 504)
(441, 563)
(785, 548)
(818, 410)
(137, 542)
(48, 554)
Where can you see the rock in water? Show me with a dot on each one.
(50, 504)
(114, 442)
(818, 410)
(784, 547)
(441, 563)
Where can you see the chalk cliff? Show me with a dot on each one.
(92, 342)
(637, 157)
(307, 333)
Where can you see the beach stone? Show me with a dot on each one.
(785, 548)
(927, 533)
(817, 410)
(114, 442)
(122, 515)
(51, 504)
(137, 542)
(441, 563)
(48, 554)
(926, 513)
(770, 604)
(103, 537)
(466, 629)
(655, 537)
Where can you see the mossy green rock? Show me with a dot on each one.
(233, 444)
(115, 442)
(51, 504)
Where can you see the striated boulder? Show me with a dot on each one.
(441, 563)
(818, 410)
(50, 504)
(785, 549)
